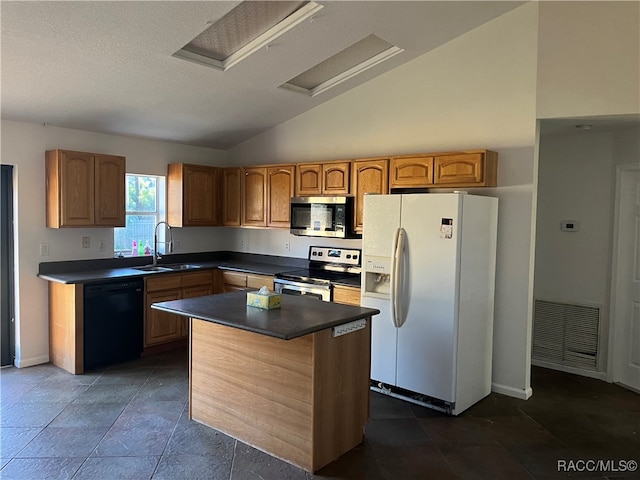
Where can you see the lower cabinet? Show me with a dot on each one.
(163, 327)
(235, 281)
(346, 295)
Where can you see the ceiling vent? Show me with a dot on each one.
(353, 60)
(248, 27)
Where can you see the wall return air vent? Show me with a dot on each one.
(247, 28)
(353, 60)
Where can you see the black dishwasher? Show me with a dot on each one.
(113, 322)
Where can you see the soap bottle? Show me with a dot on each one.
(140, 248)
(147, 248)
(134, 249)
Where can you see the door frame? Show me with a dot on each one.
(613, 304)
(10, 268)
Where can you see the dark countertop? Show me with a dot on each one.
(298, 316)
(99, 270)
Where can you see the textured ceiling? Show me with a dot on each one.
(108, 66)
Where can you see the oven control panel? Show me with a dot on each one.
(339, 256)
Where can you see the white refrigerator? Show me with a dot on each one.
(429, 267)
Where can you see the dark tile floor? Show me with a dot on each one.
(130, 421)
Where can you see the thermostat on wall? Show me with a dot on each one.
(569, 226)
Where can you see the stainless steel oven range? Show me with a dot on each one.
(327, 265)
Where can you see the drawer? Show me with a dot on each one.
(346, 295)
(257, 281)
(197, 278)
(163, 282)
(234, 278)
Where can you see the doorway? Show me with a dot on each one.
(625, 349)
(7, 334)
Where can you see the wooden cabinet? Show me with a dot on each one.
(346, 295)
(327, 178)
(411, 171)
(164, 327)
(231, 196)
(266, 194)
(280, 188)
(236, 281)
(467, 169)
(473, 168)
(193, 195)
(84, 189)
(308, 179)
(367, 176)
(254, 196)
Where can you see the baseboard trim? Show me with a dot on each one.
(573, 370)
(511, 391)
(30, 362)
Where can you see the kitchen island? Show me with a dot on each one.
(292, 382)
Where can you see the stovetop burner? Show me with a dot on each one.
(327, 265)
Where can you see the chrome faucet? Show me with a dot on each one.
(156, 255)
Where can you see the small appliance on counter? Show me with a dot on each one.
(327, 265)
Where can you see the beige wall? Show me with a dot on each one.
(23, 145)
(589, 59)
(477, 91)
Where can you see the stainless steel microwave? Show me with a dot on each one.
(328, 216)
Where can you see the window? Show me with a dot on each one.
(145, 208)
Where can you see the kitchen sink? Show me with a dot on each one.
(182, 266)
(153, 268)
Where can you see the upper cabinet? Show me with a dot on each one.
(328, 178)
(192, 195)
(280, 189)
(266, 194)
(466, 169)
(411, 171)
(84, 189)
(254, 196)
(231, 195)
(367, 176)
(474, 168)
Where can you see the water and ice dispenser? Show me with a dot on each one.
(377, 277)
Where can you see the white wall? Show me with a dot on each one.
(23, 145)
(476, 91)
(576, 182)
(589, 59)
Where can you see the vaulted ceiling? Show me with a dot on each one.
(109, 67)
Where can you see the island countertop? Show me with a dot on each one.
(297, 316)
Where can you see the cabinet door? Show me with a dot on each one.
(368, 176)
(280, 186)
(231, 196)
(200, 196)
(254, 192)
(414, 171)
(335, 178)
(109, 191)
(309, 179)
(346, 295)
(161, 327)
(76, 183)
(459, 169)
(236, 279)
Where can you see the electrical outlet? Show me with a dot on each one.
(44, 249)
(287, 246)
(242, 244)
(178, 244)
(86, 242)
(101, 246)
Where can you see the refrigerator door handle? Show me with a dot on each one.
(393, 286)
(398, 275)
